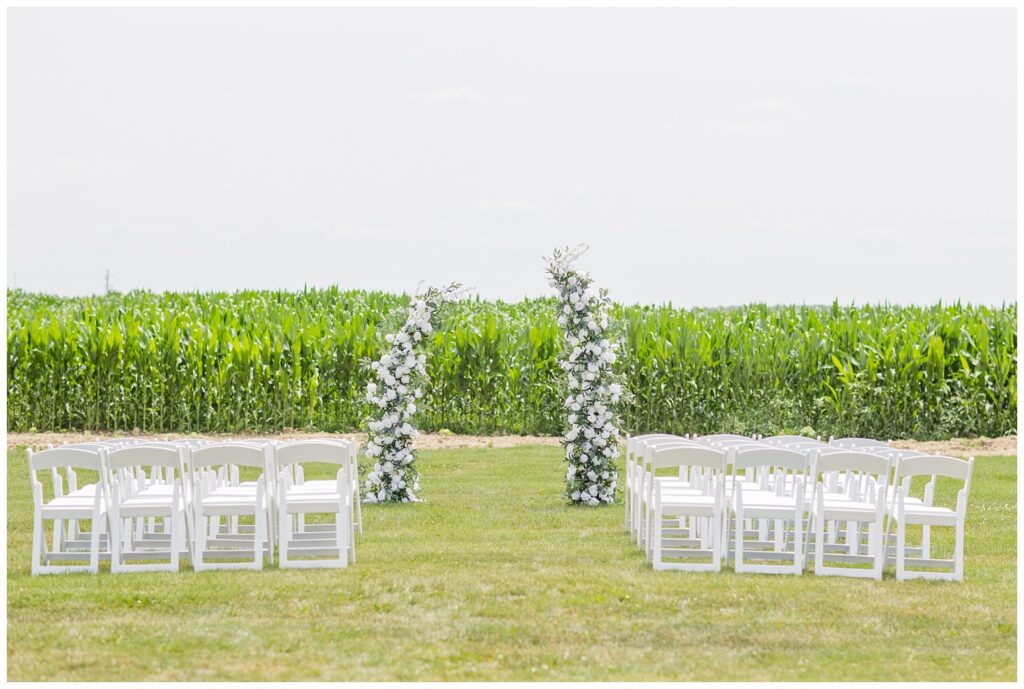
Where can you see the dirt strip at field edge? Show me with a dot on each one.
(956, 447)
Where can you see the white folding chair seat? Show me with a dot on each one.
(231, 502)
(845, 509)
(87, 503)
(84, 493)
(927, 514)
(316, 486)
(146, 504)
(303, 501)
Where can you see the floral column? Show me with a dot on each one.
(593, 389)
(400, 374)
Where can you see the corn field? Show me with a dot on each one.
(265, 361)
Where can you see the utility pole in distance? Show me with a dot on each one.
(106, 281)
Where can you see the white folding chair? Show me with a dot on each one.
(779, 501)
(333, 546)
(218, 493)
(702, 499)
(862, 502)
(645, 484)
(135, 497)
(927, 514)
(632, 482)
(75, 535)
(79, 503)
(357, 512)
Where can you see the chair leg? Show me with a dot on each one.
(655, 539)
(94, 542)
(284, 522)
(352, 539)
(958, 551)
(38, 542)
(359, 509)
(115, 540)
(259, 536)
(901, 544)
(202, 532)
(344, 532)
(878, 548)
(819, 540)
(740, 536)
(625, 500)
(798, 544)
(177, 525)
(716, 540)
(58, 536)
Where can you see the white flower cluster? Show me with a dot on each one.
(400, 373)
(592, 439)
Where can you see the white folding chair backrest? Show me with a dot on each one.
(864, 473)
(69, 458)
(132, 460)
(671, 456)
(935, 466)
(788, 439)
(157, 471)
(228, 454)
(806, 446)
(191, 442)
(858, 443)
(643, 447)
(777, 469)
(65, 457)
(298, 452)
(719, 437)
(123, 442)
(92, 447)
(731, 447)
(633, 440)
(897, 455)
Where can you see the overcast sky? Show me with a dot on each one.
(709, 157)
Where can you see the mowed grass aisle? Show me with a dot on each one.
(495, 578)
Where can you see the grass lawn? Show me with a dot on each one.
(495, 578)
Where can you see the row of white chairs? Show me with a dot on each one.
(153, 503)
(766, 504)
